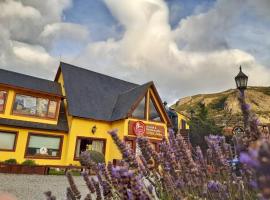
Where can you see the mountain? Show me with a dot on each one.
(224, 107)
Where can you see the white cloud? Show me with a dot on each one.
(193, 58)
(29, 28)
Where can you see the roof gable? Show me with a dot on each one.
(90, 94)
(127, 100)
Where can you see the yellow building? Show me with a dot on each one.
(182, 121)
(52, 122)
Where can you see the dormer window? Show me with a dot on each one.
(3, 97)
(35, 106)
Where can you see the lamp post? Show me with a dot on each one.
(241, 83)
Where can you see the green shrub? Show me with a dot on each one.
(88, 157)
(97, 157)
(29, 162)
(11, 161)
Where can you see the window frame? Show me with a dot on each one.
(151, 98)
(60, 148)
(5, 102)
(91, 138)
(37, 96)
(15, 140)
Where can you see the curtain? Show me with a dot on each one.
(7, 140)
(97, 146)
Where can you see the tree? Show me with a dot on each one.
(202, 125)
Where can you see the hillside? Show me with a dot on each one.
(224, 106)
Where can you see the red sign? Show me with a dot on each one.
(139, 128)
(150, 130)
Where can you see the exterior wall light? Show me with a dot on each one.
(94, 129)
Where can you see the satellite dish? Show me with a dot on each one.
(43, 151)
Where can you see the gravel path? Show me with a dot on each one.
(32, 187)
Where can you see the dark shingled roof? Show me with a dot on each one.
(29, 82)
(62, 124)
(96, 96)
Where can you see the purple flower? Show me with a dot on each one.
(246, 158)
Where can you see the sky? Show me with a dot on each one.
(185, 46)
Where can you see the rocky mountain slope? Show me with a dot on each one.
(224, 106)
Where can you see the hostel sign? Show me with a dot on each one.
(139, 128)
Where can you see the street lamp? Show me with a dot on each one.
(241, 83)
(241, 80)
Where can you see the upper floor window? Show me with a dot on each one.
(139, 112)
(3, 97)
(153, 111)
(35, 106)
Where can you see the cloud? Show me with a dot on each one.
(29, 29)
(195, 57)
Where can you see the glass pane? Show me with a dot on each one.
(154, 115)
(43, 145)
(139, 111)
(42, 107)
(52, 109)
(3, 95)
(25, 105)
(97, 146)
(7, 140)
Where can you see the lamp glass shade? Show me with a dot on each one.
(241, 80)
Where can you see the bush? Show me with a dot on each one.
(11, 161)
(29, 162)
(88, 158)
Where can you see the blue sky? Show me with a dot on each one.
(182, 45)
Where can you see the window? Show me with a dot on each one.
(139, 112)
(44, 146)
(7, 141)
(153, 113)
(3, 96)
(130, 143)
(89, 144)
(34, 106)
(183, 124)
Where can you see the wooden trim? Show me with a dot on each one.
(30, 90)
(58, 157)
(15, 140)
(36, 96)
(5, 101)
(91, 138)
(154, 90)
(157, 109)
